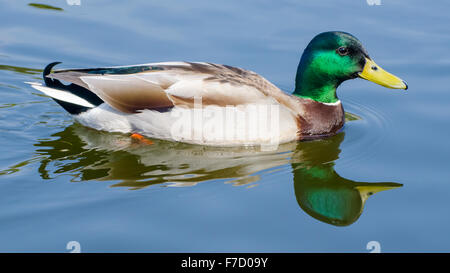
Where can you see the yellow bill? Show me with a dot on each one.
(368, 190)
(374, 73)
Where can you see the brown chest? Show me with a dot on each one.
(319, 119)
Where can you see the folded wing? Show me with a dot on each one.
(159, 86)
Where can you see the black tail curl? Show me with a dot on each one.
(72, 88)
(49, 81)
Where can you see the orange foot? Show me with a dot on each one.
(141, 139)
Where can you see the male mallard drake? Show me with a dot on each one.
(213, 104)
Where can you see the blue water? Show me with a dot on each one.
(61, 182)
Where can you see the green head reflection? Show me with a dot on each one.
(324, 194)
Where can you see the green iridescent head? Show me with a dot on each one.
(333, 57)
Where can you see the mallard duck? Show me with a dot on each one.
(213, 104)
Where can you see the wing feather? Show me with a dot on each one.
(161, 85)
(128, 93)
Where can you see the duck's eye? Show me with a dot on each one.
(342, 51)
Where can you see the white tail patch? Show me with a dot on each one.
(61, 95)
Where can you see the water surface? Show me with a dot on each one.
(384, 178)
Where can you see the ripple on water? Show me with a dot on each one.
(363, 135)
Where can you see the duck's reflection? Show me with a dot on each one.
(86, 154)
